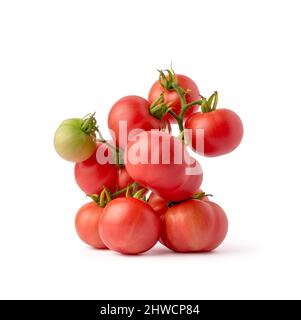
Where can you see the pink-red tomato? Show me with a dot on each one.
(161, 163)
(194, 226)
(160, 205)
(131, 113)
(97, 172)
(86, 224)
(123, 179)
(171, 97)
(129, 226)
(222, 132)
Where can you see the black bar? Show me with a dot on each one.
(129, 309)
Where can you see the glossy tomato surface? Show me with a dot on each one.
(194, 226)
(222, 132)
(129, 226)
(124, 179)
(129, 115)
(86, 224)
(97, 172)
(158, 203)
(160, 162)
(171, 97)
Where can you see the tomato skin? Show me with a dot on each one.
(123, 178)
(135, 111)
(172, 97)
(91, 176)
(129, 226)
(71, 143)
(168, 180)
(223, 131)
(194, 226)
(158, 203)
(86, 224)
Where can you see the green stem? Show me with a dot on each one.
(193, 103)
(139, 194)
(178, 119)
(116, 150)
(170, 83)
(118, 193)
(180, 92)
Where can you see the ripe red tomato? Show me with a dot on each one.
(223, 132)
(160, 205)
(129, 226)
(86, 224)
(123, 179)
(134, 111)
(194, 226)
(171, 97)
(162, 167)
(95, 173)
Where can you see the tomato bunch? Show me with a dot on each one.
(143, 183)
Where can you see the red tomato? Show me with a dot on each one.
(124, 179)
(194, 226)
(223, 132)
(86, 224)
(92, 175)
(171, 96)
(135, 112)
(129, 226)
(160, 205)
(162, 167)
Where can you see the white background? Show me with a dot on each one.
(61, 59)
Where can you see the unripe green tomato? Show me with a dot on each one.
(72, 143)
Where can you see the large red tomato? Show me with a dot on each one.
(86, 224)
(160, 205)
(129, 226)
(161, 163)
(128, 115)
(97, 172)
(222, 132)
(194, 226)
(171, 97)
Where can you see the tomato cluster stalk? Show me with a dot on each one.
(169, 81)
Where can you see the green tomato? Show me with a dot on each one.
(74, 139)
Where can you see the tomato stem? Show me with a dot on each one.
(89, 123)
(118, 156)
(169, 82)
(139, 194)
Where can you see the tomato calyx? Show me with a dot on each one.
(159, 108)
(89, 124)
(103, 199)
(208, 105)
(198, 196)
(168, 81)
(131, 191)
